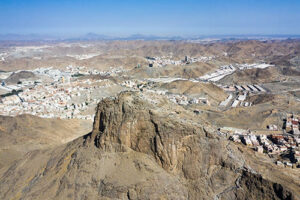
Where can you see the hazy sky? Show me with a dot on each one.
(164, 17)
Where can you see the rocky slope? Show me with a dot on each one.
(188, 71)
(254, 76)
(196, 89)
(24, 133)
(14, 78)
(144, 147)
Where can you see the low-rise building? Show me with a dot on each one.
(235, 103)
(259, 149)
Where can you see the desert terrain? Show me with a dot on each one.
(134, 119)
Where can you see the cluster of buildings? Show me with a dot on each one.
(189, 60)
(229, 69)
(254, 65)
(60, 95)
(292, 124)
(218, 74)
(175, 98)
(238, 100)
(75, 71)
(65, 101)
(131, 84)
(283, 145)
(66, 75)
(164, 60)
(253, 88)
(184, 100)
(238, 94)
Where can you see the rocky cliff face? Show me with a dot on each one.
(207, 165)
(130, 122)
(142, 147)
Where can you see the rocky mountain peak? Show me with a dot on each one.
(206, 163)
(133, 121)
(144, 147)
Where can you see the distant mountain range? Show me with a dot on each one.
(94, 36)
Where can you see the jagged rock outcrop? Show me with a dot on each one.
(206, 163)
(130, 122)
(142, 147)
